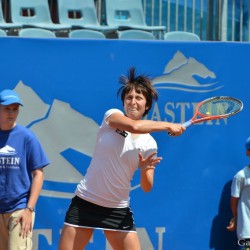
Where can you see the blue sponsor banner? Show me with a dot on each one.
(66, 86)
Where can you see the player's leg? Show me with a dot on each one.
(74, 238)
(123, 240)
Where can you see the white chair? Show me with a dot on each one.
(128, 14)
(34, 14)
(181, 36)
(81, 14)
(4, 24)
(86, 34)
(36, 32)
(135, 35)
(3, 33)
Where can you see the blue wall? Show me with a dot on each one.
(67, 85)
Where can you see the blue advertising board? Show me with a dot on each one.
(67, 85)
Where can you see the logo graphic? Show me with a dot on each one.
(186, 74)
(65, 135)
(7, 150)
(122, 132)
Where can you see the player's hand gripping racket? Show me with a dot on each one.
(214, 108)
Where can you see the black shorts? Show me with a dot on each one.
(82, 213)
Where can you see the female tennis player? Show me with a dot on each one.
(102, 198)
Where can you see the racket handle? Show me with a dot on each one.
(185, 124)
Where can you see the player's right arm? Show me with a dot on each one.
(122, 122)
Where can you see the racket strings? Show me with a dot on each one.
(220, 107)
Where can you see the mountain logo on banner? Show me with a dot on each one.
(67, 136)
(186, 74)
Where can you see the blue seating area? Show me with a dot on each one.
(123, 19)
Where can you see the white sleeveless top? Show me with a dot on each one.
(114, 161)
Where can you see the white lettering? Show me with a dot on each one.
(47, 233)
(156, 113)
(160, 231)
(183, 106)
(10, 160)
(169, 110)
(179, 112)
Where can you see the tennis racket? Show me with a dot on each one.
(214, 108)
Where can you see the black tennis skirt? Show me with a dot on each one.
(82, 213)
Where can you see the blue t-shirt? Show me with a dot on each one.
(20, 154)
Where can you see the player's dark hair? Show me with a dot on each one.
(141, 84)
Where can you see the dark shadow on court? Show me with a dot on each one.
(220, 237)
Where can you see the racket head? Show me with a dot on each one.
(213, 108)
(218, 107)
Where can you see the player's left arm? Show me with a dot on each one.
(147, 167)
